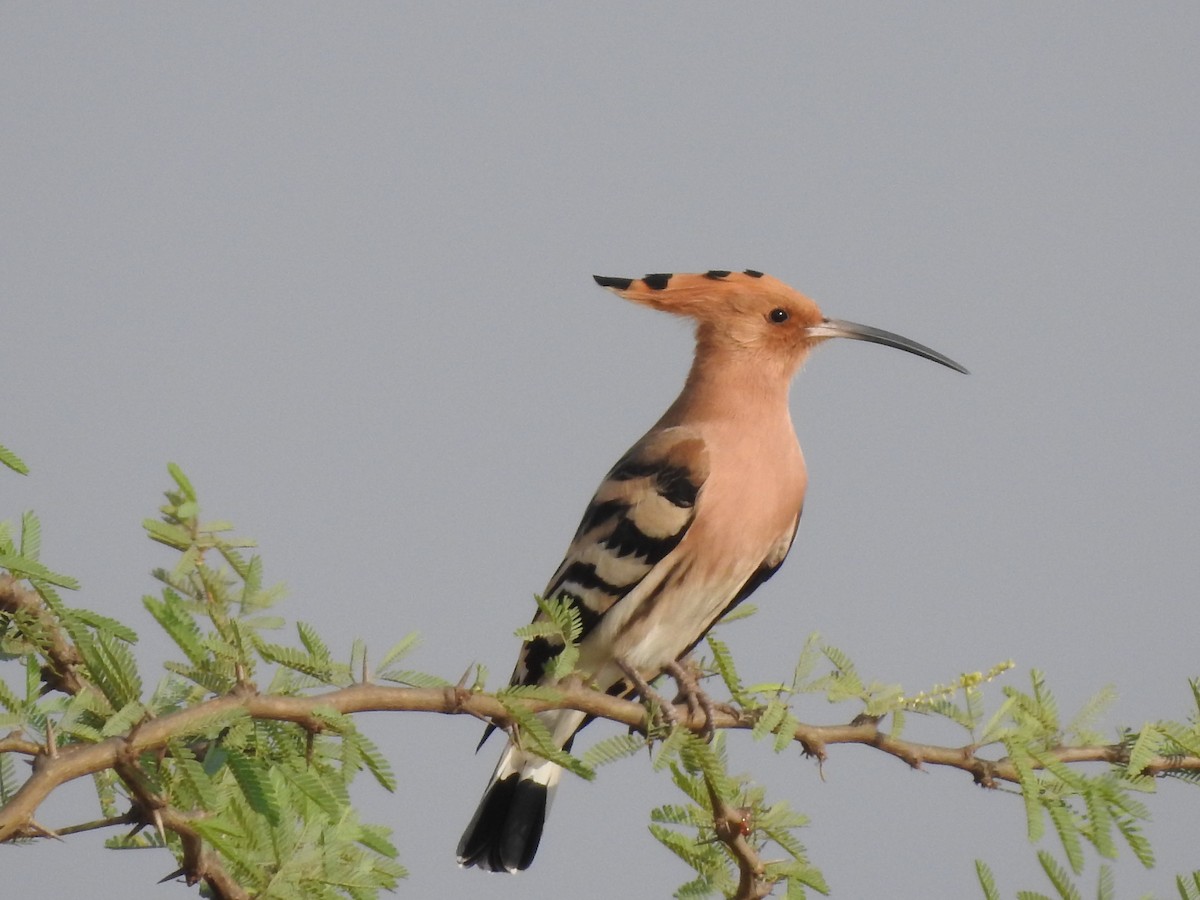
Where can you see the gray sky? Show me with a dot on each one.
(335, 261)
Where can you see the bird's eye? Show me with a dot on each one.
(778, 315)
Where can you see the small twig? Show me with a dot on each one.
(14, 743)
(60, 673)
(730, 825)
(124, 819)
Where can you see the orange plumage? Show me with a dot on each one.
(689, 522)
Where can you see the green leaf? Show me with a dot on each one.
(1189, 888)
(181, 481)
(400, 649)
(703, 758)
(375, 837)
(35, 571)
(785, 734)
(698, 857)
(376, 762)
(1031, 792)
(312, 787)
(31, 536)
(987, 881)
(165, 533)
(742, 611)
(9, 700)
(320, 669)
(613, 748)
(179, 625)
(313, 643)
(535, 736)
(997, 726)
(1047, 706)
(669, 747)
(1100, 820)
(114, 669)
(105, 625)
(124, 719)
(1082, 723)
(205, 675)
(1186, 739)
(539, 629)
(1058, 877)
(12, 461)
(726, 668)
(769, 719)
(1137, 841)
(563, 663)
(413, 679)
(252, 777)
(1068, 832)
(1144, 749)
(199, 786)
(222, 832)
(9, 784)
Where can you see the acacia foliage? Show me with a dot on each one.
(254, 805)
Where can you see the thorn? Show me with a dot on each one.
(40, 829)
(462, 682)
(176, 874)
(158, 823)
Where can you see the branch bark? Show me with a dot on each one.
(76, 760)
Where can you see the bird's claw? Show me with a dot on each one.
(697, 701)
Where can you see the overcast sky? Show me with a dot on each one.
(335, 261)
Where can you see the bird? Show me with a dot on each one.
(691, 520)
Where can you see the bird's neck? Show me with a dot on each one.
(732, 385)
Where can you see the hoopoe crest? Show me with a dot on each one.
(695, 516)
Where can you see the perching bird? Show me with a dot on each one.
(688, 523)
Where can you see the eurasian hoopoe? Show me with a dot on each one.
(689, 522)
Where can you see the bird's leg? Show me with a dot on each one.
(684, 674)
(649, 696)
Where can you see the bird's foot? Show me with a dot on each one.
(654, 701)
(690, 691)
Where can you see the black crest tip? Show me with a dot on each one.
(656, 282)
(620, 284)
(716, 274)
(753, 273)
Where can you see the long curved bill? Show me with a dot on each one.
(832, 328)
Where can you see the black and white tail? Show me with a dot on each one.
(507, 827)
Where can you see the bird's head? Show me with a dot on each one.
(754, 313)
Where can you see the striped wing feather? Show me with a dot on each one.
(639, 514)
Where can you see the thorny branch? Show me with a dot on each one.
(53, 767)
(62, 673)
(76, 760)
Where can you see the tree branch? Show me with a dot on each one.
(62, 658)
(76, 760)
